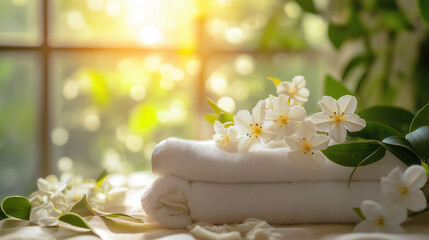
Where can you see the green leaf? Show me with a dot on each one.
(75, 220)
(397, 118)
(276, 81)
(354, 62)
(401, 142)
(211, 118)
(421, 118)
(335, 88)
(419, 139)
(375, 131)
(224, 118)
(352, 154)
(101, 178)
(16, 206)
(83, 208)
(405, 155)
(2, 214)
(359, 213)
(425, 166)
(338, 34)
(424, 10)
(118, 215)
(371, 158)
(307, 5)
(219, 112)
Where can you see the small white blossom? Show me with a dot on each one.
(45, 215)
(381, 218)
(252, 128)
(225, 138)
(50, 190)
(284, 117)
(404, 190)
(50, 184)
(337, 117)
(305, 144)
(269, 102)
(294, 90)
(109, 195)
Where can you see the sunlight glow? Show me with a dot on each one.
(60, 136)
(226, 103)
(92, 122)
(95, 5)
(113, 8)
(217, 83)
(234, 35)
(149, 35)
(134, 143)
(244, 64)
(65, 164)
(70, 90)
(137, 92)
(75, 20)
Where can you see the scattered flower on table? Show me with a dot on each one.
(337, 117)
(381, 218)
(45, 215)
(294, 90)
(305, 144)
(404, 189)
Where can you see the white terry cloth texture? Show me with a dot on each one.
(176, 203)
(204, 161)
(198, 182)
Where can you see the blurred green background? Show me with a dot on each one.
(100, 82)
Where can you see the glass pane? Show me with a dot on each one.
(19, 122)
(20, 22)
(158, 23)
(240, 81)
(111, 109)
(255, 24)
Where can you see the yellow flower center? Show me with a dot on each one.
(403, 190)
(256, 130)
(282, 121)
(292, 91)
(306, 147)
(337, 118)
(380, 221)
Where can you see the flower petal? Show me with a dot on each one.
(258, 112)
(48, 221)
(302, 95)
(281, 106)
(320, 142)
(370, 209)
(271, 115)
(43, 185)
(322, 121)
(347, 104)
(367, 226)
(394, 215)
(297, 155)
(297, 113)
(299, 81)
(306, 130)
(242, 120)
(415, 200)
(394, 178)
(338, 132)
(353, 122)
(329, 105)
(290, 128)
(293, 142)
(397, 229)
(283, 88)
(319, 158)
(245, 144)
(219, 128)
(415, 177)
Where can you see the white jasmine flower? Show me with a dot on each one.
(269, 102)
(58, 199)
(50, 184)
(225, 138)
(252, 128)
(294, 90)
(404, 189)
(337, 117)
(45, 215)
(306, 144)
(284, 117)
(74, 193)
(381, 218)
(108, 195)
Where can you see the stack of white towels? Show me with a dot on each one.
(199, 182)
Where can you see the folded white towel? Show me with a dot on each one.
(176, 203)
(201, 183)
(204, 161)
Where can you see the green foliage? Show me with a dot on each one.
(122, 215)
(394, 117)
(424, 10)
(355, 62)
(307, 5)
(82, 208)
(335, 88)
(16, 206)
(419, 139)
(375, 131)
(75, 220)
(276, 81)
(402, 153)
(2, 214)
(338, 34)
(100, 179)
(354, 154)
(219, 114)
(421, 118)
(359, 213)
